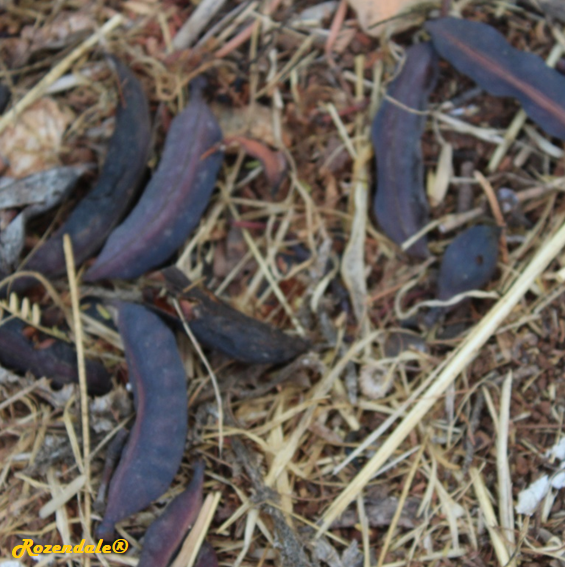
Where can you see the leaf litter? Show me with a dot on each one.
(408, 466)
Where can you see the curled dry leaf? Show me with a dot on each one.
(219, 326)
(469, 261)
(400, 203)
(482, 53)
(44, 189)
(155, 446)
(397, 15)
(353, 261)
(98, 213)
(49, 357)
(33, 142)
(274, 163)
(165, 534)
(174, 200)
(254, 121)
(41, 192)
(60, 32)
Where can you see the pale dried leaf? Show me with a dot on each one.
(255, 121)
(353, 262)
(33, 142)
(59, 32)
(45, 189)
(397, 15)
(557, 451)
(12, 242)
(529, 498)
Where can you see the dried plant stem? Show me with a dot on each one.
(400, 507)
(505, 505)
(490, 518)
(58, 71)
(210, 371)
(79, 342)
(458, 360)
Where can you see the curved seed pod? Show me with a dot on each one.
(174, 200)
(57, 361)
(165, 534)
(469, 261)
(400, 203)
(99, 212)
(219, 326)
(154, 449)
(482, 53)
(206, 556)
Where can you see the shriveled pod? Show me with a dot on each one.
(101, 210)
(155, 446)
(57, 360)
(219, 326)
(400, 203)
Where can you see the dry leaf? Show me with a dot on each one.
(397, 15)
(274, 163)
(33, 143)
(59, 32)
(254, 121)
(353, 261)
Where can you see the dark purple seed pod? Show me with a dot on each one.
(482, 53)
(58, 361)
(101, 210)
(174, 200)
(469, 261)
(155, 446)
(400, 203)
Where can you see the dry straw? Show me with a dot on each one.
(457, 362)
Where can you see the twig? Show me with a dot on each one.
(505, 504)
(210, 371)
(79, 342)
(198, 20)
(400, 506)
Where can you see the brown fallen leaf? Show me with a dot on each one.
(33, 142)
(274, 163)
(395, 15)
(60, 32)
(254, 121)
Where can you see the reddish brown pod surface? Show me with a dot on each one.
(206, 556)
(165, 534)
(482, 53)
(56, 360)
(100, 211)
(400, 203)
(155, 445)
(219, 326)
(174, 200)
